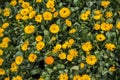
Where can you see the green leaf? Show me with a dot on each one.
(34, 71)
(75, 68)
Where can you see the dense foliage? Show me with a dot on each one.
(60, 40)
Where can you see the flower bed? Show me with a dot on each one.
(59, 40)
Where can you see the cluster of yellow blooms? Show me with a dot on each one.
(36, 22)
(76, 77)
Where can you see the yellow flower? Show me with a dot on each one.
(3, 45)
(62, 55)
(24, 47)
(20, 1)
(32, 57)
(97, 12)
(52, 9)
(54, 28)
(97, 17)
(38, 38)
(2, 71)
(97, 26)
(112, 68)
(47, 15)
(65, 45)
(7, 78)
(91, 59)
(73, 52)
(1, 30)
(50, 4)
(87, 46)
(18, 17)
(40, 45)
(87, 12)
(65, 12)
(30, 8)
(85, 77)
(6, 9)
(109, 14)
(1, 34)
(70, 57)
(82, 65)
(19, 60)
(13, 3)
(68, 22)
(118, 25)
(29, 29)
(1, 61)
(105, 3)
(110, 46)
(7, 13)
(14, 67)
(57, 48)
(63, 76)
(38, 1)
(55, 14)
(6, 40)
(24, 12)
(32, 14)
(38, 18)
(106, 26)
(25, 4)
(84, 16)
(100, 37)
(24, 17)
(41, 78)
(26, 42)
(72, 31)
(1, 52)
(71, 41)
(5, 25)
(77, 77)
(18, 77)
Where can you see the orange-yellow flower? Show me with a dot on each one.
(49, 60)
